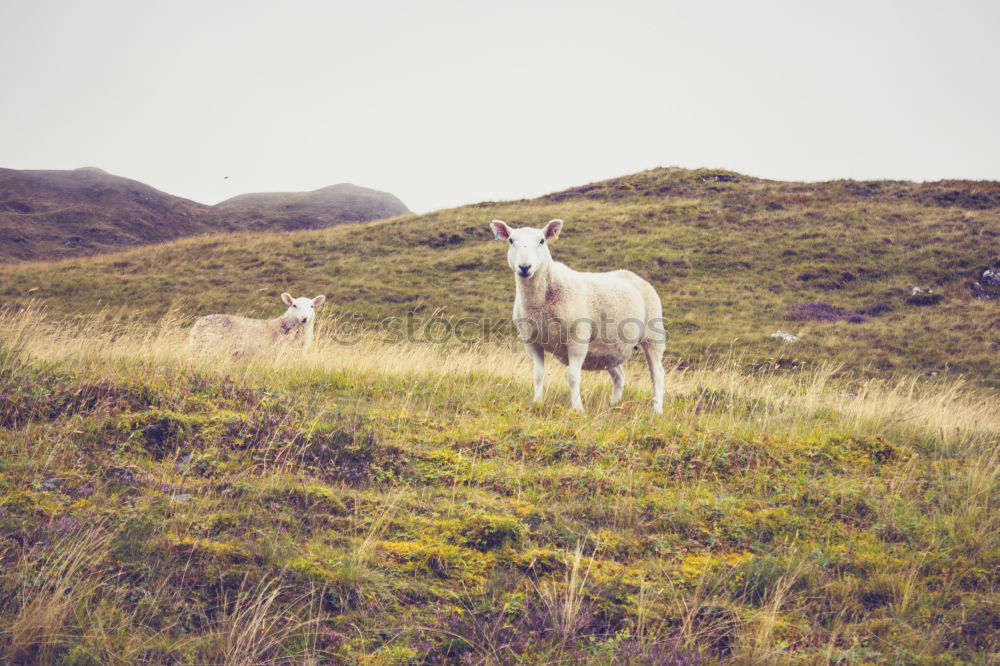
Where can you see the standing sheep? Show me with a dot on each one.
(242, 336)
(589, 321)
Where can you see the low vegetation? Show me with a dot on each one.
(404, 503)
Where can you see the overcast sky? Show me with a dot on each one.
(447, 103)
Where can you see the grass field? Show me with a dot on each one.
(404, 503)
(399, 500)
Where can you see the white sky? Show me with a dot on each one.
(446, 103)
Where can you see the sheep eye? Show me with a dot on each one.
(541, 242)
(511, 240)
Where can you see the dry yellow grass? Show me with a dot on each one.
(954, 418)
(52, 589)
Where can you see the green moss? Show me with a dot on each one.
(440, 560)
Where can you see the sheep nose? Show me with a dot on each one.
(525, 269)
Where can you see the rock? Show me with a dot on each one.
(785, 336)
(50, 485)
(920, 296)
(183, 498)
(987, 284)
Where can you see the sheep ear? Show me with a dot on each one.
(319, 300)
(500, 230)
(553, 228)
(287, 298)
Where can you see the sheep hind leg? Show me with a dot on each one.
(654, 359)
(617, 383)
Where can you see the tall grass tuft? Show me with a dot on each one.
(565, 600)
(263, 624)
(46, 585)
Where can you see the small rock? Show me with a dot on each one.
(987, 284)
(920, 296)
(183, 498)
(50, 485)
(785, 336)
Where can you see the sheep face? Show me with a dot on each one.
(301, 309)
(528, 250)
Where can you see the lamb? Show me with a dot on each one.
(589, 321)
(242, 336)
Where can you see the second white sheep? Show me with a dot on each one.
(242, 336)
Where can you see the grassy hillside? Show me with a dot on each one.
(46, 215)
(392, 497)
(734, 258)
(403, 503)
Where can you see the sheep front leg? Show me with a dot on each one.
(537, 355)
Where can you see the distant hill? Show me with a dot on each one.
(293, 211)
(61, 214)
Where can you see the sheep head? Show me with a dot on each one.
(301, 310)
(528, 250)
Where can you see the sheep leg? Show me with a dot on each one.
(537, 355)
(654, 358)
(617, 383)
(576, 351)
(573, 370)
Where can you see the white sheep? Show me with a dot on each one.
(589, 321)
(243, 336)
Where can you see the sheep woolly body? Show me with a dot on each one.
(589, 321)
(243, 335)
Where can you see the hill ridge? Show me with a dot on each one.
(57, 214)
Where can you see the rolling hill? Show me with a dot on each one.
(293, 211)
(734, 258)
(60, 214)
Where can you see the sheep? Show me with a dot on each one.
(589, 321)
(243, 336)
